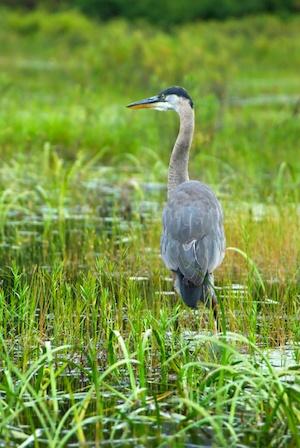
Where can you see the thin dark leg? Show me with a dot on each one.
(214, 305)
(211, 302)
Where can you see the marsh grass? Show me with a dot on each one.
(95, 346)
(133, 358)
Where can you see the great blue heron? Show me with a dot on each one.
(192, 242)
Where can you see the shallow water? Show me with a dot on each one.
(27, 232)
(136, 430)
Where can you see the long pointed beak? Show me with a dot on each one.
(148, 103)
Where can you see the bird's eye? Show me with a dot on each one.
(163, 96)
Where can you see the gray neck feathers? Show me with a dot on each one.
(178, 166)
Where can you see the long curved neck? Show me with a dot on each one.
(178, 166)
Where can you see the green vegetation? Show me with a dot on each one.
(94, 345)
(165, 13)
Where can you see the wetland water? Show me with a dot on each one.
(95, 348)
(94, 327)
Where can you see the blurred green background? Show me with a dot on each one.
(66, 77)
(82, 184)
(167, 12)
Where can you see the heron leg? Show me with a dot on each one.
(212, 303)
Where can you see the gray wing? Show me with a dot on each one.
(193, 237)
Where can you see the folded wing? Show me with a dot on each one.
(193, 237)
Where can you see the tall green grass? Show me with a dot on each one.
(95, 346)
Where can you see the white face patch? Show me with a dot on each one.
(162, 105)
(171, 103)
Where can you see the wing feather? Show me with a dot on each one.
(193, 237)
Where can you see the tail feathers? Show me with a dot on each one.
(190, 292)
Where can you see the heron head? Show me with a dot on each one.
(172, 98)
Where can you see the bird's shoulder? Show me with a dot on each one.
(193, 192)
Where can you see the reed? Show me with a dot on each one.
(95, 346)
